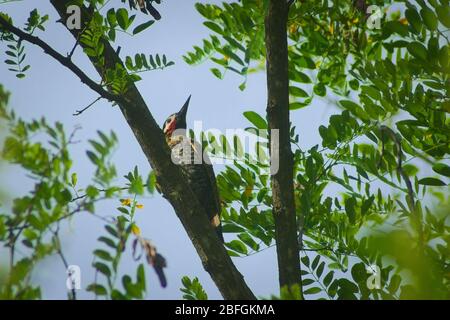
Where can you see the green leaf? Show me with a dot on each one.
(103, 268)
(444, 56)
(418, 50)
(93, 157)
(442, 169)
(328, 278)
(233, 56)
(123, 210)
(320, 269)
(432, 182)
(216, 72)
(355, 109)
(307, 282)
(320, 89)
(110, 243)
(443, 13)
(214, 27)
(297, 92)
(143, 26)
(102, 254)
(315, 262)
(111, 17)
(397, 27)
(122, 18)
(414, 19)
(297, 105)
(10, 53)
(429, 18)
(232, 228)
(237, 246)
(305, 260)
(248, 240)
(74, 179)
(92, 192)
(354, 84)
(313, 290)
(394, 284)
(131, 289)
(347, 289)
(97, 289)
(258, 121)
(350, 209)
(151, 182)
(301, 77)
(140, 277)
(117, 295)
(111, 231)
(358, 272)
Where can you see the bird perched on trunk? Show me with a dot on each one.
(195, 165)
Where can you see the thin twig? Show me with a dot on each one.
(9, 1)
(72, 135)
(77, 41)
(99, 190)
(78, 112)
(73, 294)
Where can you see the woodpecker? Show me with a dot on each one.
(195, 166)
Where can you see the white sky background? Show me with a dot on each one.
(52, 91)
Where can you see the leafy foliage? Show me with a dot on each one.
(373, 196)
(192, 289)
(33, 223)
(391, 82)
(98, 29)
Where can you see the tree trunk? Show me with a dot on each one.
(212, 253)
(278, 118)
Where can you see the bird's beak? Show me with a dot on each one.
(183, 111)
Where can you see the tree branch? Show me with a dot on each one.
(278, 117)
(65, 61)
(150, 137)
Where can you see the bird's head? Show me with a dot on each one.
(177, 120)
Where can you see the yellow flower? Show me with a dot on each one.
(404, 21)
(248, 191)
(293, 28)
(331, 28)
(135, 229)
(139, 206)
(125, 202)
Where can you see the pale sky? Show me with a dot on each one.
(52, 91)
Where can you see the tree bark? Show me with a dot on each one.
(278, 118)
(212, 253)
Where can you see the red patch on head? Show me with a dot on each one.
(170, 127)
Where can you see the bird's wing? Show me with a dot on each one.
(209, 171)
(200, 173)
